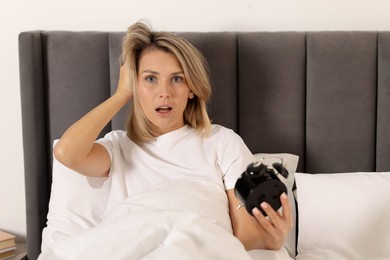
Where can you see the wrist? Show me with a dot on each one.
(123, 95)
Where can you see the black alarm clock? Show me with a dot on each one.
(260, 183)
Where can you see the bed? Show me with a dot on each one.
(323, 97)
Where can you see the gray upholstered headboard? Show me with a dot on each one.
(324, 96)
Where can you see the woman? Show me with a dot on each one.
(169, 135)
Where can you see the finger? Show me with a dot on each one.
(278, 225)
(273, 216)
(267, 222)
(263, 220)
(287, 211)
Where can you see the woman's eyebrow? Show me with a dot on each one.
(151, 72)
(158, 73)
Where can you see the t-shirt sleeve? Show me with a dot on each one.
(234, 157)
(108, 143)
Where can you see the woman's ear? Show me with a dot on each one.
(191, 95)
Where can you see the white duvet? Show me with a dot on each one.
(186, 219)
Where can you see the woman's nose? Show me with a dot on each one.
(165, 89)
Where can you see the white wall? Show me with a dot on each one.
(185, 15)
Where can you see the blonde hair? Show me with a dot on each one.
(140, 37)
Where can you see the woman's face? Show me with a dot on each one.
(162, 89)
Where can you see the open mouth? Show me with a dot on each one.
(164, 109)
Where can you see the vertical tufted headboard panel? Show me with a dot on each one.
(383, 103)
(324, 96)
(341, 100)
(272, 70)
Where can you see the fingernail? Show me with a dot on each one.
(255, 211)
(284, 195)
(264, 205)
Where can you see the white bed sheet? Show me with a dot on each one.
(175, 220)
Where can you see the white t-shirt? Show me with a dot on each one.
(220, 157)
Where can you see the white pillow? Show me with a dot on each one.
(290, 162)
(76, 203)
(344, 216)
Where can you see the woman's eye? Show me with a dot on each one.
(177, 79)
(151, 79)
